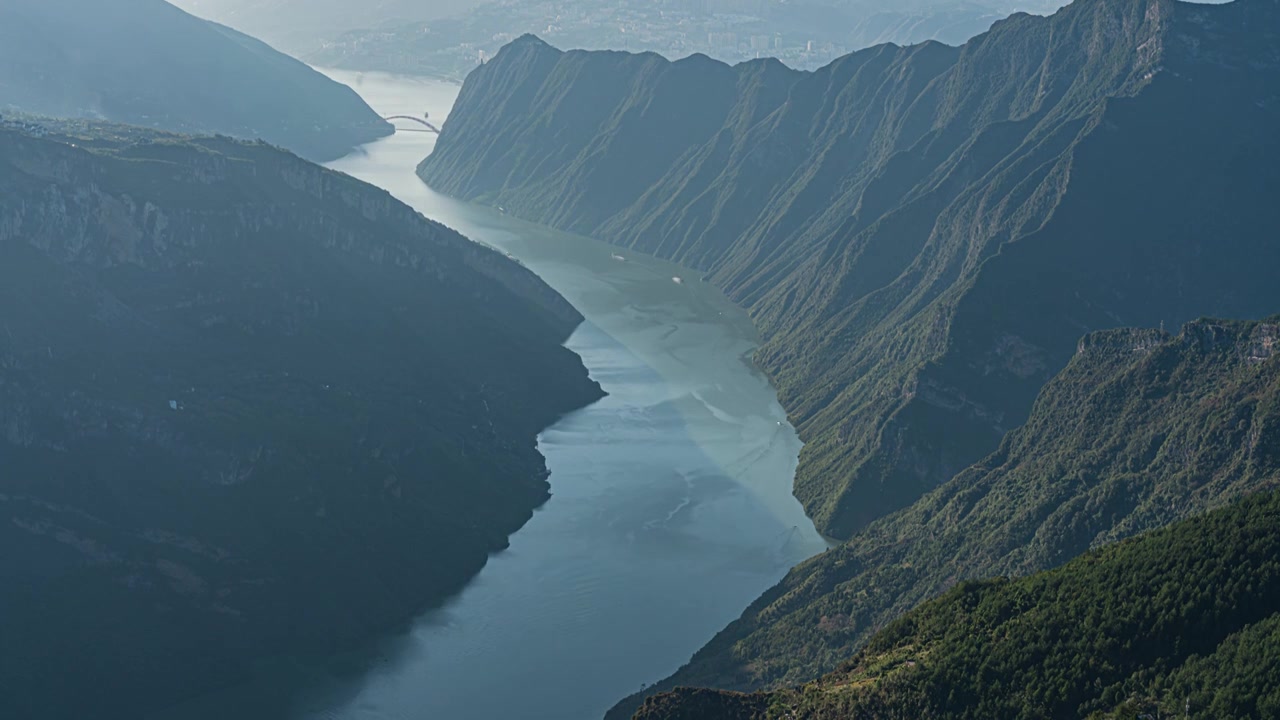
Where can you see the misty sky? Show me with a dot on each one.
(301, 26)
(304, 28)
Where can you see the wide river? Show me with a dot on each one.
(671, 504)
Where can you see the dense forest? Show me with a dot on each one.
(248, 406)
(921, 233)
(1181, 622)
(147, 63)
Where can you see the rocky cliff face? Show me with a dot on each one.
(921, 233)
(146, 62)
(248, 406)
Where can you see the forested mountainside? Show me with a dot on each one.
(1141, 429)
(145, 62)
(922, 233)
(248, 407)
(1181, 622)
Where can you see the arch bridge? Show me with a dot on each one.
(423, 121)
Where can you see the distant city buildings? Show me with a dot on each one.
(722, 41)
(21, 124)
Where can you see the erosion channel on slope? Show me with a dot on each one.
(671, 504)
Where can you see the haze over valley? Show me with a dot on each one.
(448, 40)
(682, 360)
(301, 26)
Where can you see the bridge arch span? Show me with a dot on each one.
(419, 120)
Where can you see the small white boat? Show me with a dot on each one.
(677, 280)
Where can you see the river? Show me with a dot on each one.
(671, 504)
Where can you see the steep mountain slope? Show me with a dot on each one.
(922, 233)
(1181, 622)
(248, 407)
(1142, 429)
(145, 62)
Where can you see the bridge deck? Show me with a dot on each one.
(420, 121)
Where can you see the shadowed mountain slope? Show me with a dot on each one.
(249, 407)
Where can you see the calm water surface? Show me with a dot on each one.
(671, 507)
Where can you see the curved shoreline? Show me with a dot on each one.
(607, 586)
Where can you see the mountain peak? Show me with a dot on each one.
(530, 39)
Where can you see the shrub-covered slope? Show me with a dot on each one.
(921, 233)
(248, 407)
(1141, 429)
(1182, 622)
(146, 62)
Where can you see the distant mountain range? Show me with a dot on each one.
(249, 408)
(145, 62)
